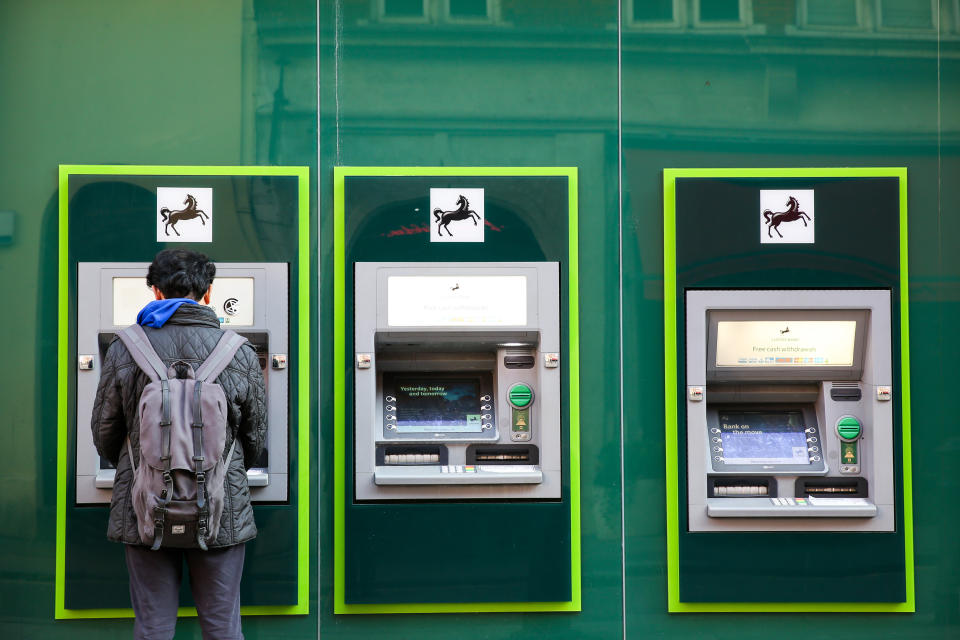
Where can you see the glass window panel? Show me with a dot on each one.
(832, 13)
(468, 8)
(653, 10)
(719, 10)
(403, 8)
(909, 14)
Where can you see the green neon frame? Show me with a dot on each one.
(339, 381)
(670, 393)
(303, 372)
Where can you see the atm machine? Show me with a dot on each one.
(457, 381)
(789, 413)
(250, 298)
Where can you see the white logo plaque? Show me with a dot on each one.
(786, 216)
(456, 215)
(184, 214)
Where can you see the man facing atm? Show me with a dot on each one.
(184, 334)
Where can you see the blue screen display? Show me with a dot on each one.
(437, 405)
(755, 437)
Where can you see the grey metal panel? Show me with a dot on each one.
(876, 416)
(437, 474)
(449, 349)
(95, 317)
(769, 508)
(548, 489)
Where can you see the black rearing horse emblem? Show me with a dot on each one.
(792, 213)
(187, 213)
(444, 218)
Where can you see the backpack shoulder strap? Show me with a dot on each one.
(230, 342)
(143, 352)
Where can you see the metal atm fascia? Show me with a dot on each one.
(100, 317)
(823, 395)
(468, 347)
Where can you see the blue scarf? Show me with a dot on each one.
(157, 312)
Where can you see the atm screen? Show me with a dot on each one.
(763, 437)
(437, 404)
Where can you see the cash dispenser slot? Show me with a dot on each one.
(734, 393)
(411, 454)
(741, 487)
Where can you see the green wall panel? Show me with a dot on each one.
(536, 83)
(539, 93)
(781, 96)
(100, 84)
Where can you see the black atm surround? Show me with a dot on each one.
(818, 570)
(91, 575)
(488, 575)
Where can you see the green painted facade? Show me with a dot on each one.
(620, 90)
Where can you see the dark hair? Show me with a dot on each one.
(180, 273)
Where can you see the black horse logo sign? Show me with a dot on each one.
(462, 212)
(189, 212)
(774, 220)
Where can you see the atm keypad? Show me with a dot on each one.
(458, 468)
(790, 502)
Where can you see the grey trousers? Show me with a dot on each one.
(214, 580)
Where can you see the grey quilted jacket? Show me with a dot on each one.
(189, 335)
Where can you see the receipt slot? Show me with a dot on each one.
(457, 381)
(250, 298)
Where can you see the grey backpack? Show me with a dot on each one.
(178, 481)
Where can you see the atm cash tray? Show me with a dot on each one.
(811, 507)
(458, 474)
